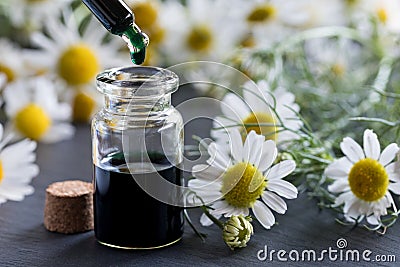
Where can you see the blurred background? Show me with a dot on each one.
(338, 57)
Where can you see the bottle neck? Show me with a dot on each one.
(140, 106)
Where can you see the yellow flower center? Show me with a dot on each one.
(368, 180)
(10, 75)
(382, 15)
(253, 121)
(1, 171)
(146, 14)
(262, 13)
(351, 2)
(242, 185)
(32, 121)
(248, 41)
(338, 69)
(83, 107)
(78, 65)
(200, 38)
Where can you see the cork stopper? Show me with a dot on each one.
(69, 207)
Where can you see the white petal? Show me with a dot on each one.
(248, 146)
(282, 188)
(372, 219)
(21, 174)
(16, 193)
(280, 170)
(340, 168)
(234, 107)
(351, 149)
(255, 97)
(218, 156)
(388, 154)
(236, 145)
(352, 208)
(339, 186)
(230, 211)
(395, 188)
(393, 170)
(342, 198)
(221, 207)
(208, 197)
(205, 221)
(268, 155)
(372, 147)
(1, 130)
(58, 132)
(274, 202)
(391, 201)
(206, 172)
(263, 214)
(256, 147)
(201, 185)
(240, 211)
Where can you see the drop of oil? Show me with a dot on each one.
(137, 42)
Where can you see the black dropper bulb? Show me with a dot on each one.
(118, 19)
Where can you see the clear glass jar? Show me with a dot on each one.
(137, 141)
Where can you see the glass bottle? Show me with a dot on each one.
(137, 141)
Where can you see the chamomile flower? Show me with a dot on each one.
(74, 58)
(365, 179)
(307, 14)
(201, 30)
(242, 177)
(253, 113)
(34, 111)
(17, 168)
(34, 13)
(337, 59)
(264, 21)
(386, 12)
(11, 64)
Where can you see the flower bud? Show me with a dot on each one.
(237, 231)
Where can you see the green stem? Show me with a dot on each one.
(212, 218)
(188, 220)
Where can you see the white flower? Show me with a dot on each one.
(338, 58)
(11, 63)
(364, 178)
(35, 112)
(254, 109)
(264, 21)
(74, 58)
(34, 13)
(200, 30)
(386, 12)
(306, 14)
(242, 177)
(17, 168)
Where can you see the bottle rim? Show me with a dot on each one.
(137, 82)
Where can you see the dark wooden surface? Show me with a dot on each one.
(25, 242)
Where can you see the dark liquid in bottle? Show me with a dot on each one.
(126, 216)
